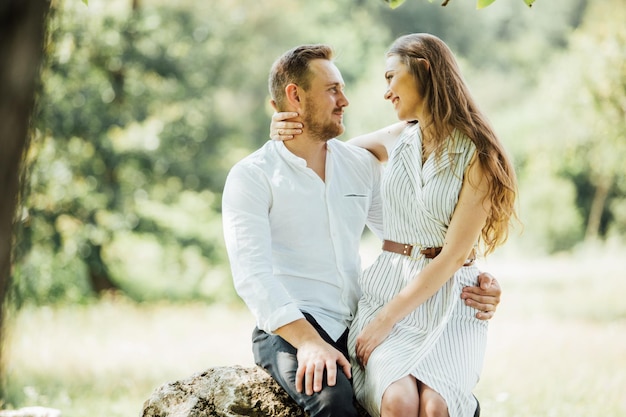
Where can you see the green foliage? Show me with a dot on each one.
(142, 114)
(395, 3)
(604, 78)
(144, 111)
(586, 130)
(125, 121)
(480, 4)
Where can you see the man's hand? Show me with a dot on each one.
(485, 298)
(314, 358)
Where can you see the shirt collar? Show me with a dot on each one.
(288, 155)
(292, 158)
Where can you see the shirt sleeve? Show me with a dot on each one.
(246, 205)
(375, 213)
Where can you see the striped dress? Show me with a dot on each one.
(441, 343)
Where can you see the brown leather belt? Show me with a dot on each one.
(430, 253)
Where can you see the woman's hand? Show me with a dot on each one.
(282, 129)
(370, 337)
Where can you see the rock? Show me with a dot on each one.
(31, 412)
(230, 391)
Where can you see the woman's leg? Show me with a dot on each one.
(401, 399)
(431, 403)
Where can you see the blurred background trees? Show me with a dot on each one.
(146, 105)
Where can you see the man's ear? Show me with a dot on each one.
(292, 91)
(273, 104)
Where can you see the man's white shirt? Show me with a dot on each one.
(293, 239)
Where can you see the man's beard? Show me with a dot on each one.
(316, 129)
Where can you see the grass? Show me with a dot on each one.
(557, 346)
(106, 358)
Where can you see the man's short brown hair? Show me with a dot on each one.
(293, 67)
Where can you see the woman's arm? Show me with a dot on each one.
(467, 222)
(380, 142)
(282, 129)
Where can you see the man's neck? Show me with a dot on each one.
(313, 151)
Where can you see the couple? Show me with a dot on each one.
(294, 212)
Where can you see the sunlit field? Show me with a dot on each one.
(557, 347)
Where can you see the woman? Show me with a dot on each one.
(417, 349)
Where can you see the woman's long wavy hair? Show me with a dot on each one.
(452, 107)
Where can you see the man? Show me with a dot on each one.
(293, 215)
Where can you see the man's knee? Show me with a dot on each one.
(335, 401)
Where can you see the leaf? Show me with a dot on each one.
(394, 3)
(481, 4)
(529, 3)
(86, 2)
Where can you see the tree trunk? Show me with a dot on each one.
(99, 276)
(22, 33)
(597, 208)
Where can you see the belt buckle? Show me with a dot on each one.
(415, 247)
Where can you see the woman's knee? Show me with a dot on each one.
(432, 403)
(401, 399)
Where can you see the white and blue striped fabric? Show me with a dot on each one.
(441, 343)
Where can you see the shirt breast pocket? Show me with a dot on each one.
(357, 204)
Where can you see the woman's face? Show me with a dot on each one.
(402, 90)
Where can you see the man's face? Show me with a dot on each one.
(323, 102)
